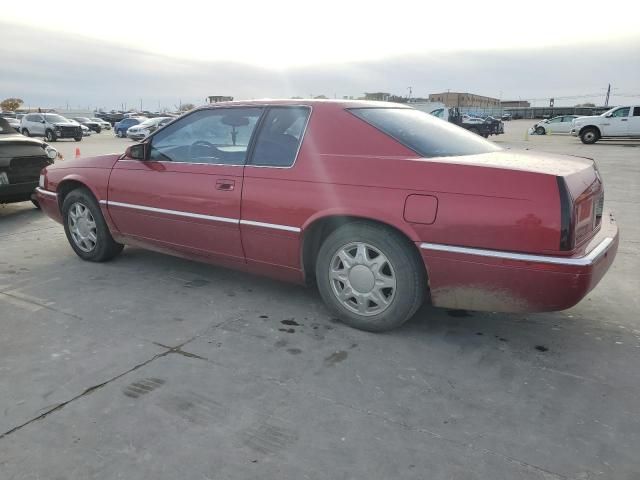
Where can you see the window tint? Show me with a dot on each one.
(621, 112)
(556, 120)
(636, 111)
(280, 136)
(217, 136)
(423, 133)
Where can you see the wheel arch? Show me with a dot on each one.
(595, 127)
(70, 183)
(319, 227)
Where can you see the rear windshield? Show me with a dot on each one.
(425, 134)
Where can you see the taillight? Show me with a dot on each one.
(566, 215)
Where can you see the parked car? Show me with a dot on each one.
(51, 126)
(479, 126)
(617, 122)
(121, 127)
(21, 160)
(86, 131)
(104, 125)
(506, 117)
(559, 124)
(146, 128)
(14, 122)
(380, 206)
(90, 124)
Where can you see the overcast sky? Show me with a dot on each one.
(110, 56)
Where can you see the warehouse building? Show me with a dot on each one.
(463, 99)
(515, 104)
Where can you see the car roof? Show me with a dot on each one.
(322, 103)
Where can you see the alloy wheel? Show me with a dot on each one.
(362, 278)
(82, 227)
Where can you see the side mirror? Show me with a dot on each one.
(609, 115)
(42, 121)
(137, 151)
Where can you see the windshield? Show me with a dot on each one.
(424, 133)
(51, 117)
(96, 120)
(149, 122)
(81, 119)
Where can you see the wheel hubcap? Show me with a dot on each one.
(362, 279)
(589, 136)
(82, 227)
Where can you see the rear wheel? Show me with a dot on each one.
(589, 136)
(86, 230)
(540, 131)
(370, 276)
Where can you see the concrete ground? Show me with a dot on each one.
(156, 367)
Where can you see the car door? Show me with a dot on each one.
(185, 195)
(565, 124)
(270, 236)
(617, 123)
(36, 125)
(634, 122)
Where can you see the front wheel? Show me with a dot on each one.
(98, 130)
(50, 136)
(540, 131)
(370, 276)
(25, 132)
(589, 136)
(86, 230)
(77, 139)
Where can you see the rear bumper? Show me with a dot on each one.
(489, 280)
(49, 203)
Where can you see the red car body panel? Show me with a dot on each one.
(258, 218)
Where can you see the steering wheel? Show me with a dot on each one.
(202, 143)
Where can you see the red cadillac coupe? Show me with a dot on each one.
(379, 204)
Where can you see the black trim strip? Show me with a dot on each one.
(566, 215)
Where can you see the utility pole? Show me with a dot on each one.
(606, 100)
(141, 105)
(410, 92)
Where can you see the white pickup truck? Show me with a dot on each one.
(617, 122)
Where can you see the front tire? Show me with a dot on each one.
(540, 131)
(78, 139)
(98, 130)
(589, 136)
(50, 136)
(86, 229)
(370, 276)
(25, 132)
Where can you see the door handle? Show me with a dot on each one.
(624, 119)
(225, 185)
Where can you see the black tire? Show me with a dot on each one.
(50, 135)
(35, 203)
(25, 132)
(404, 261)
(105, 247)
(589, 135)
(540, 131)
(98, 129)
(77, 139)
(119, 133)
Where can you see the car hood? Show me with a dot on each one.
(16, 138)
(66, 124)
(588, 117)
(101, 161)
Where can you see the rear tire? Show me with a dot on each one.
(50, 136)
(86, 230)
(370, 276)
(589, 135)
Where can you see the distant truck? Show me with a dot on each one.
(483, 127)
(617, 122)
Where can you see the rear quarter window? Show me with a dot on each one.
(423, 133)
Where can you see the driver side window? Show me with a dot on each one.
(214, 136)
(621, 112)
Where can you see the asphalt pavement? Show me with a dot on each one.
(156, 367)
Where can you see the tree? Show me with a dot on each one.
(11, 104)
(185, 107)
(588, 104)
